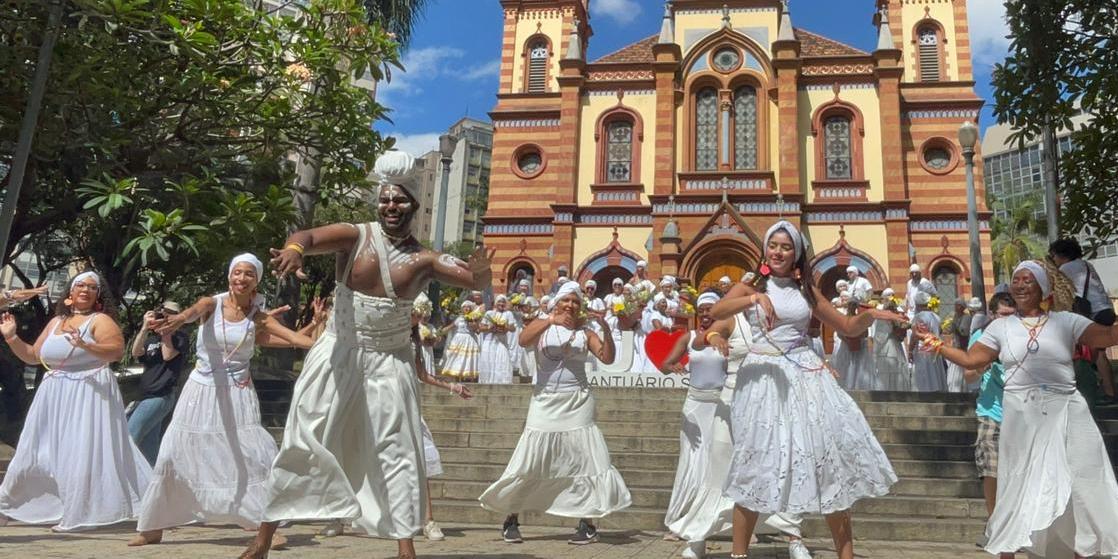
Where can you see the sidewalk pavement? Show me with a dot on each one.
(462, 542)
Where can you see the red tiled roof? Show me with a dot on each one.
(811, 45)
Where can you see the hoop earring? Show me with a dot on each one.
(68, 302)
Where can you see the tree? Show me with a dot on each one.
(397, 16)
(1017, 236)
(1061, 62)
(168, 126)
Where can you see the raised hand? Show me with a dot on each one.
(21, 295)
(719, 343)
(480, 264)
(287, 261)
(563, 319)
(169, 324)
(8, 325)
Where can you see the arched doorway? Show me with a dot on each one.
(725, 257)
(604, 278)
(826, 284)
(710, 271)
(945, 276)
(519, 271)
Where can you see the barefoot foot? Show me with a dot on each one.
(146, 538)
(256, 550)
(279, 541)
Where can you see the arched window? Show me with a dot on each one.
(946, 278)
(706, 130)
(837, 149)
(929, 45)
(619, 151)
(745, 128)
(538, 54)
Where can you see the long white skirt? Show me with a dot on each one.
(75, 465)
(893, 371)
(428, 353)
(353, 445)
(495, 364)
(1056, 488)
(858, 368)
(698, 509)
(801, 444)
(928, 373)
(561, 464)
(641, 364)
(956, 382)
(431, 457)
(460, 358)
(213, 461)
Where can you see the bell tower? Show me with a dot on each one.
(535, 39)
(934, 37)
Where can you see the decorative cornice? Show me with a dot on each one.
(614, 92)
(943, 225)
(620, 75)
(698, 208)
(842, 87)
(718, 11)
(527, 123)
(844, 216)
(810, 69)
(943, 113)
(520, 229)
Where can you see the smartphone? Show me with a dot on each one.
(159, 315)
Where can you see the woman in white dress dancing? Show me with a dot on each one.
(561, 464)
(215, 456)
(75, 465)
(495, 364)
(801, 444)
(1057, 494)
(460, 357)
(928, 371)
(889, 358)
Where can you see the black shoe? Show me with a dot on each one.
(584, 534)
(511, 532)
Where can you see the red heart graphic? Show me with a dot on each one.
(659, 344)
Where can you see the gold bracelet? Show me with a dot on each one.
(296, 247)
(709, 334)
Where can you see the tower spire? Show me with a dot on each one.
(667, 26)
(884, 33)
(786, 32)
(725, 16)
(574, 43)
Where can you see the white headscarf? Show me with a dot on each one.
(567, 288)
(618, 281)
(914, 268)
(707, 298)
(500, 298)
(667, 281)
(84, 276)
(468, 306)
(642, 264)
(592, 283)
(530, 302)
(1039, 273)
(249, 258)
(841, 284)
(525, 283)
(975, 304)
(726, 280)
(797, 239)
(852, 269)
(888, 292)
(922, 298)
(398, 168)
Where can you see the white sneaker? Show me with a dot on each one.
(694, 550)
(432, 532)
(797, 550)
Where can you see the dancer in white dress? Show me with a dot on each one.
(75, 465)
(612, 301)
(462, 352)
(561, 464)
(889, 358)
(530, 310)
(928, 371)
(855, 360)
(353, 445)
(495, 364)
(1057, 495)
(215, 456)
(801, 445)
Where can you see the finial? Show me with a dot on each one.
(725, 16)
(667, 26)
(884, 32)
(574, 43)
(780, 205)
(786, 33)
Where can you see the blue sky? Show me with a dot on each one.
(454, 58)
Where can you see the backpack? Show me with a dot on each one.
(1081, 305)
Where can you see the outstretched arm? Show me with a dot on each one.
(671, 362)
(848, 326)
(327, 239)
(199, 310)
(474, 274)
(1099, 336)
(274, 334)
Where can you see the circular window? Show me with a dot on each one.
(528, 161)
(726, 60)
(938, 156)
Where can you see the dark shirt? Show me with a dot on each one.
(160, 377)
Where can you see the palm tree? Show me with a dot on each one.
(397, 16)
(1017, 236)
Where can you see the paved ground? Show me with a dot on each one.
(463, 542)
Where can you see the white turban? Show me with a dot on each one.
(591, 283)
(841, 284)
(659, 297)
(567, 288)
(642, 264)
(845, 294)
(852, 269)
(1038, 273)
(468, 306)
(398, 168)
(836, 301)
(797, 239)
(748, 277)
(725, 280)
(975, 304)
(922, 298)
(251, 259)
(545, 301)
(84, 276)
(628, 288)
(421, 304)
(707, 298)
(888, 292)
(501, 299)
(667, 281)
(563, 279)
(525, 283)
(914, 268)
(618, 281)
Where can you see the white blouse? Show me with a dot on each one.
(1050, 365)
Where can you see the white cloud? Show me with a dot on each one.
(417, 144)
(988, 31)
(419, 65)
(490, 69)
(622, 11)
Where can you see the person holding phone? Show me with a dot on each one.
(163, 357)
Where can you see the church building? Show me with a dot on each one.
(683, 148)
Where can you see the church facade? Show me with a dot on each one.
(683, 148)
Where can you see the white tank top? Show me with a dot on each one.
(561, 360)
(225, 348)
(58, 354)
(708, 366)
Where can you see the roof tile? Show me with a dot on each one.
(811, 45)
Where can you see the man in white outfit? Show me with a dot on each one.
(724, 284)
(916, 283)
(858, 282)
(640, 279)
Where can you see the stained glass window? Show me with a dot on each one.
(937, 158)
(619, 151)
(745, 128)
(836, 147)
(706, 130)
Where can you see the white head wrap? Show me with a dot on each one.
(591, 283)
(84, 276)
(468, 306)
(914, 268)
(525, 283)
(659, 297)
(545, 301)
(975, 304)
(500, 299)
(421, 304)
(922, 298)
(530, 302)
(841, 284)
(845, 294)
(836, 301)
(563, 279)
(628, 288)
(797, 239)
(398, 168)
(1038, 273)
(888, 292)
(565, 289)
(618, 281)
(748, 277)
(707, 298)
(667, 280)
(251, 259)
(642, 264)
(726, 280)
(852, 269)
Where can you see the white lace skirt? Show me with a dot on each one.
(213, 461)
(431, 456)
(928, 374)
(561, 464)
(1056, 488)
(75, 465)
(801, 444)
(353, 445)
(698, 509)
(495, 364)
(460, 358)
(893, 370)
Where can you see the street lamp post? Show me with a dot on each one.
(968, 137)
(447, 143)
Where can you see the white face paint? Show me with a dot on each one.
(450, 260)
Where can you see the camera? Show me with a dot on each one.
(159, 315)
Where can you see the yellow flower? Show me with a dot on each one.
(618, 307)
(933, 304)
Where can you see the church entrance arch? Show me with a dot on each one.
(716, 258)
